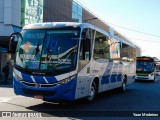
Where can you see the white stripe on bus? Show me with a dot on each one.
(45, 79)
(33, 79)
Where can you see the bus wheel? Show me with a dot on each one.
(92, 92)
(123, 88)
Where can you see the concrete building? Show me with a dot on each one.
(14, 14)
(10, 21)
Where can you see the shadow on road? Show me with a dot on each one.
(103, 105)
(144, 81)
(78, 108)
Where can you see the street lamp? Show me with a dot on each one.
(90, 19)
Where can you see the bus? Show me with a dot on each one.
(65, 61)
(145, 68)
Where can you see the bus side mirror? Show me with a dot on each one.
(14, 37)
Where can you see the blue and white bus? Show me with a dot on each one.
(68, 61)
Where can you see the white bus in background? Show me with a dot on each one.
(68, 61)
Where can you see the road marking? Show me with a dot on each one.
(6, 99)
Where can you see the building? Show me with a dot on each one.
(10, 19)
(14, 14)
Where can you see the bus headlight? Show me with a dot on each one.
(150, 75)
(17, 77)
(66, 80)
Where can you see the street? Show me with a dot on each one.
(139, 96)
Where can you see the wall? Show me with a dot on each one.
(88, 15)
(12, 12)
(1, 10)
(138, 51)
(31, 12)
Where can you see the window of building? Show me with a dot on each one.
(32, 11)
(76, 12)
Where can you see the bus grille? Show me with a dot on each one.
(141, 78)
(39, 85)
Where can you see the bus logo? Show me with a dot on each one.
(37, 85)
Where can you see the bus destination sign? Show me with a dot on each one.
(145, 59)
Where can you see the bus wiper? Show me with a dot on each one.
(49, 49)
(37, 48)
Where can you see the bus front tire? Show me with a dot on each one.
(92, 92)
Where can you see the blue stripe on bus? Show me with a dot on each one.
(39, 79)
(51, 79)
(113, 78)
(27, 78)
(105, 79)
(119, 77)
(107, 73)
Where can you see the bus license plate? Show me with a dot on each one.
(38, 96)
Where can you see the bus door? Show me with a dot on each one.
(84, 76)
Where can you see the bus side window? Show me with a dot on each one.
(128, 53)
(101, 47)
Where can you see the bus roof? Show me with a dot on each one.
(52, 24)
(49, 25)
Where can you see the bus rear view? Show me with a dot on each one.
(145, 68)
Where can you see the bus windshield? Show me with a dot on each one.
(145, 66)
(48, 50)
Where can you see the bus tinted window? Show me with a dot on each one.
(101, 47)
(128, 53)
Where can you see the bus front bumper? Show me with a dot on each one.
(64, 92)
(145, 77)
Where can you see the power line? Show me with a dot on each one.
(134, 30)
(143, 40)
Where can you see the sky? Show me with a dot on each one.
(137, 20)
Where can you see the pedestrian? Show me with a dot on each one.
(5, 70)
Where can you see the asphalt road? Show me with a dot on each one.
(140, 97)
